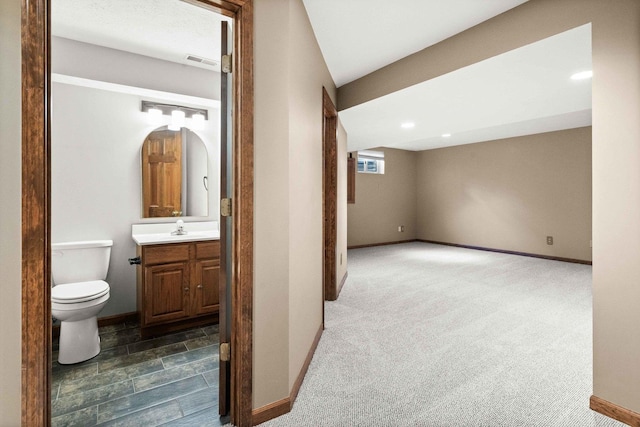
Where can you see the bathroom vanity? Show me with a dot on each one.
(177, 281)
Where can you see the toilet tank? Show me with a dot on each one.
(80, 261)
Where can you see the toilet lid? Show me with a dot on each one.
(78, 292)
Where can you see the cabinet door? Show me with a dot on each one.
(167, 292)
(207, 297)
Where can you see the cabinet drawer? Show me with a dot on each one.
(165, 253)
(208, 250)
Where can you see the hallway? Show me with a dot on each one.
(430, 335)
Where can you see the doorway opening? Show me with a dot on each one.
(37, 210)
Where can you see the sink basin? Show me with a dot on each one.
(153, 234)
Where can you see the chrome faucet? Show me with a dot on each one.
(179, 231)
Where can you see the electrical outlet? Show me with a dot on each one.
(549, 240)
(340, 258)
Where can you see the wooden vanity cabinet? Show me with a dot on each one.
(177, 286)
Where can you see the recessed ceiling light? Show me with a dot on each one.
(582, 75)
(407, 125)
(446, 135)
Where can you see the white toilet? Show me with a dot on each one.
(79, 293)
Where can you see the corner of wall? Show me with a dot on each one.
(370, 219)
(341, 249)
(288, 205)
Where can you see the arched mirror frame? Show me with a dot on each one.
(175, 169)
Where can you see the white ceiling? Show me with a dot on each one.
(164, 29)
(520, 92)
(360, 36)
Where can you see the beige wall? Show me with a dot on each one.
(288, 195)
(271, 177)
(10, 222)
(616, 202)
(341, 249)
(510, 194)
(308, 74)
(384, 201)
(615, 162)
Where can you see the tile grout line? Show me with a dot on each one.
(217, 379)
(159, 402)
(181, 408)
(164, 367)
(97, 404)
(133, 384)
(131, 380)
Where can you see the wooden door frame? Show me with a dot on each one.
(36, 210)
(330, 196)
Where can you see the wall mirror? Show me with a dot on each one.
(174, 174)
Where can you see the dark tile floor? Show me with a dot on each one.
(169, 381)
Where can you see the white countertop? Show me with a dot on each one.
(154, 234)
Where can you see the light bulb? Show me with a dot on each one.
(197, 121)
(177, 120)
(155, 116)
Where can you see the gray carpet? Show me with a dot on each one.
(429, 335)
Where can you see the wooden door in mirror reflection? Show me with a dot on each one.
(162, 174)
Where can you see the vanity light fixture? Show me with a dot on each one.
(178, 114)
(197, 121)
(177, 120)
(155, 116)
(582, 75)
(407, 125)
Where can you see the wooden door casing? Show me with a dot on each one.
(351, 179)
(329, 197)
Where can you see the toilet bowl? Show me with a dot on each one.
(78, 295)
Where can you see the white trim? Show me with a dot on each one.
(132, 90)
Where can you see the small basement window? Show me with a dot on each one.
(371, 162)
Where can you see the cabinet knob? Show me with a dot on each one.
(199, 286)
(186, 289)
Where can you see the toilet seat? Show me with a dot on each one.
(73, 293)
